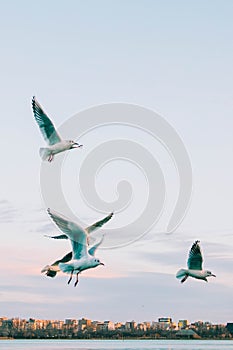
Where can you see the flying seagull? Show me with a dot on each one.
(82, 259)
(51, 270)
(51, 136)
(194, 265)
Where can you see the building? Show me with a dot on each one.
(229, 327)
(182, 324)
(109, 325)
(141, 327)
(83, 324)
(71, 322)
(164, 323)
(130, 326)
(147, 324)
(119, 325)
(165, 320)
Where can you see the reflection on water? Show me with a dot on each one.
(116, 344)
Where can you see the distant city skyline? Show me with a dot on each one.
(86, 328)
(160, 319)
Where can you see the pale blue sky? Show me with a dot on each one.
(171, 56)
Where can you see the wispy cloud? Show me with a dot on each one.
(143, 296)
(8, 213)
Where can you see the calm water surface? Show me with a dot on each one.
(116, 344)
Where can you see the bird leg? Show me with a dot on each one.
(51, 156)
(76, 282)
(184, 279)
(71, 275)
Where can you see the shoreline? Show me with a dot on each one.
(119, 339)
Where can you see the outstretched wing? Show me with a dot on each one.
(92, 250)
(76, 234)
(89, 229)
(46, 126)
(98, 224)
(195, 257)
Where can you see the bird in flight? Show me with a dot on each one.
(82, 258)
(51, 136)
(194, 265)
(51, 270)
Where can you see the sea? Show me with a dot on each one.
(116, 344)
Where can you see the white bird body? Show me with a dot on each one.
(194, 265)
(82, 259)
(82, 264)
(201, 275)
(47, 153)
(51, 136)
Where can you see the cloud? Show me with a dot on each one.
(8, 213)
(141, 296)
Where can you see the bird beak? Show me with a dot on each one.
(102, 264)
(213, 275)
(76, 145)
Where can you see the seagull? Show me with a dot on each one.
(82, 259)
(51, 136)
(194, 265)
(51, 270)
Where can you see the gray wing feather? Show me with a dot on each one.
(195, 257)
(46, 126)
(76, 234)
(99, 224)
(79, 250)
(92, 250)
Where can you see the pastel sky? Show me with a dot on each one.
(174, 57)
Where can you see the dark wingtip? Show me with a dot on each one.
(33, 103)
(51, 273)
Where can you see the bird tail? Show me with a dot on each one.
(181, 273)
(49, 271)
(66, 268)
(44, 153)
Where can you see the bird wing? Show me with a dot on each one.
(58, 237)
(46, 126)
(76, 234)
(88, 229)
(99, 224)
(195, 257)
(92, 250)
(65, 259)
(48, 269)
